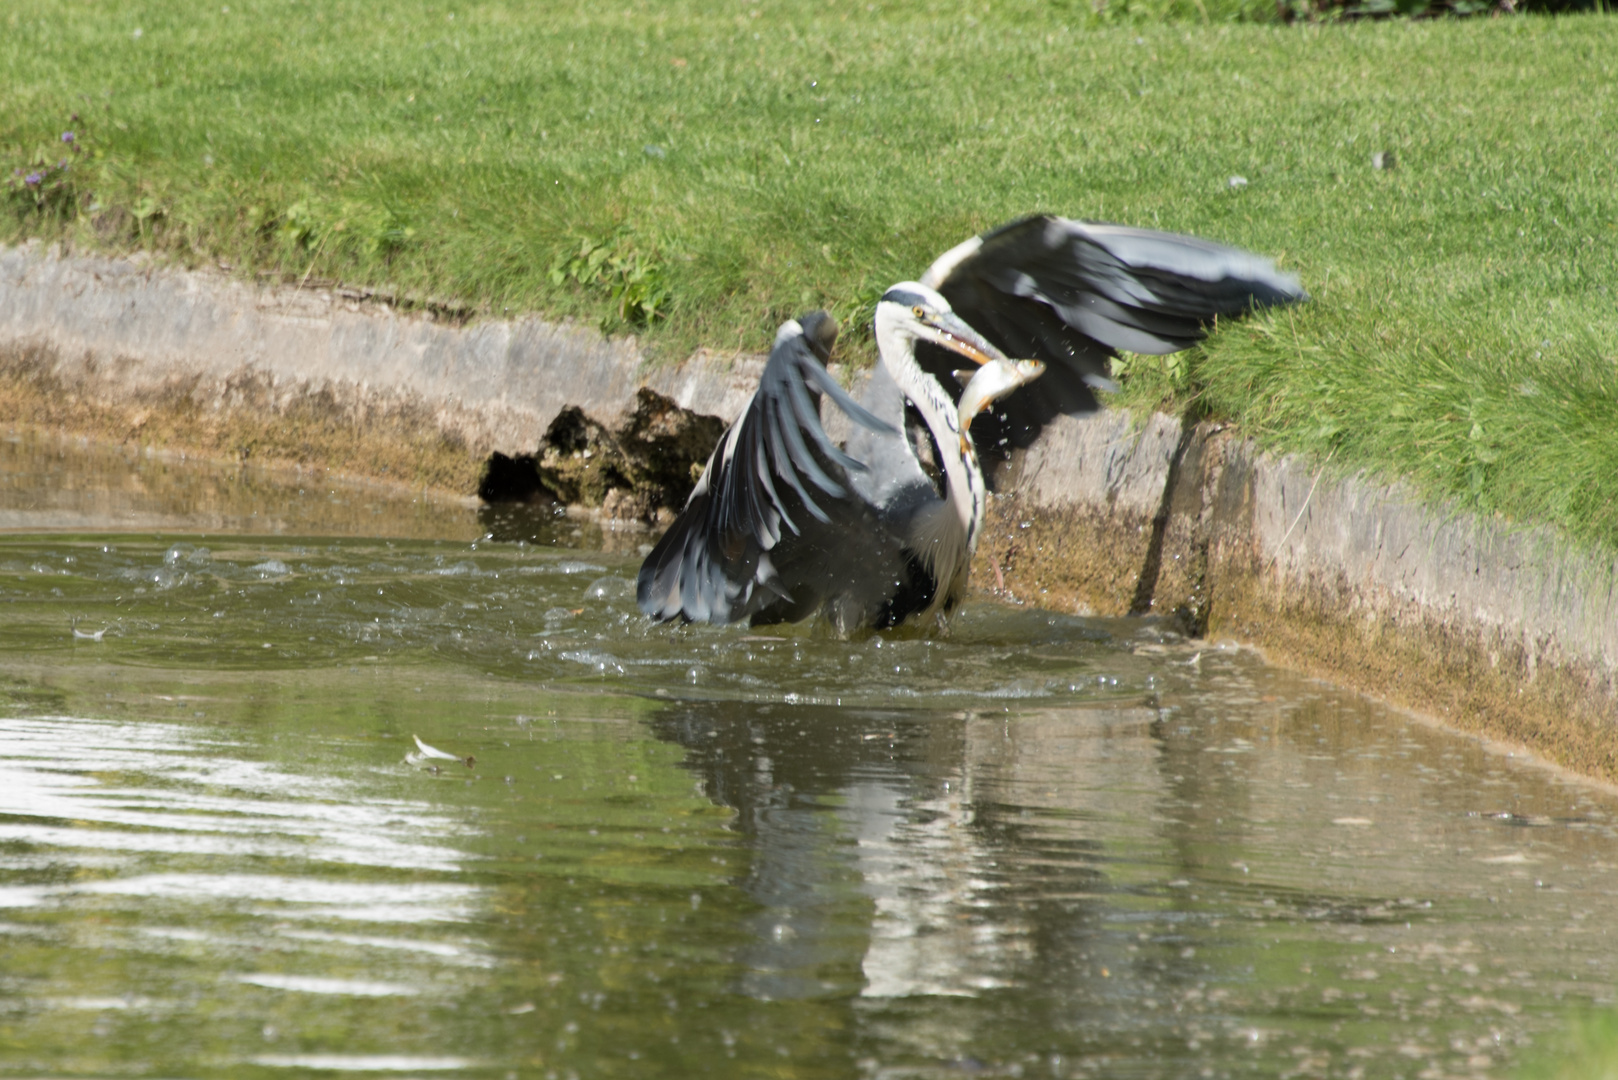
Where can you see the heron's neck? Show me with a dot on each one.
(965, 489)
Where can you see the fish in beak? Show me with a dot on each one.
(994, 380)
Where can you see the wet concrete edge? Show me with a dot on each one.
(1496, 630)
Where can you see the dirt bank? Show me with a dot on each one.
(1495, 630)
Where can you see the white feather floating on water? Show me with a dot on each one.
(88, 635)
(433, 753)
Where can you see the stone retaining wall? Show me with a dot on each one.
(124, 350)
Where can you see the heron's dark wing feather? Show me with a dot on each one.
(774, 484)
(1120, 287)
(1073, 293)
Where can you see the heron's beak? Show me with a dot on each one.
(950, 331)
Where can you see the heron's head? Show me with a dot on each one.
(911, 312)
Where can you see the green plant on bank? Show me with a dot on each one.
(636, 283)
(1158, 381)
(312, 228)
(45, 185)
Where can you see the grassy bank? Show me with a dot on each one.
(696, 172)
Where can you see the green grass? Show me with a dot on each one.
(1586, 1050)
(733, 164)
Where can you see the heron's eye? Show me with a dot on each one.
(919, 312)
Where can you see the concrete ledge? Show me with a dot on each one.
(1494, 629)
(125, 350)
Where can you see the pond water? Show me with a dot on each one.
(1039, 846)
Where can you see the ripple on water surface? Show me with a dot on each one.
(1035, 846)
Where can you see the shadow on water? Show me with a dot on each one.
(1038, 845)
(549, 523)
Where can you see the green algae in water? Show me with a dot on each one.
(1034, 846)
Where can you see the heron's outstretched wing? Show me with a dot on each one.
(1073, 293)
(773, 477)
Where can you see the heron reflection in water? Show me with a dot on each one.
(785, 525)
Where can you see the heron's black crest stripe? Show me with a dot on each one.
(904, 297)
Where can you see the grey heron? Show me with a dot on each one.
(785, 525)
